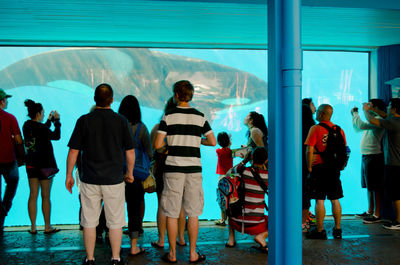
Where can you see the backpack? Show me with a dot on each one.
(142, 162)
(335, 155)
(230, 193)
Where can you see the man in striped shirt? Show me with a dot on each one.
(184, 127)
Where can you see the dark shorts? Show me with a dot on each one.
(392, 182)
(325, 183)
(33, 173)
(372, 172)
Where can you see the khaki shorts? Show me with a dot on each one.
(113, 197)
(182, 189)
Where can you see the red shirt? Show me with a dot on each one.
(317, 137)
(8, 129)
(225, 160)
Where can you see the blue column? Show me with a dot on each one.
(284, 118)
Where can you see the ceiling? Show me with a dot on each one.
(339, 24)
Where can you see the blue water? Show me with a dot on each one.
(337, 78)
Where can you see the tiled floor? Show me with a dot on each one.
(361, 244)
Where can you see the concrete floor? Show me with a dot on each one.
(361, 244)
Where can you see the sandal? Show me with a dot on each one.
(166, 259)
(262, 249)
(227, 245)
(156, 245)
(200, 258)
(142, 250)
(32, 232)
(52, 231)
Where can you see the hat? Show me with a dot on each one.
(3, 94)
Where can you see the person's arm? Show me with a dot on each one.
(257, 137)
(130, 163)
(159, 140)
(359, 125)
(209, 140)
(309, 157)
(369, 116)
(71, 160)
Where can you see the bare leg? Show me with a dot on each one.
(320, 214)
(172, 230)
(46, 204)
(193, 231)
(337, 213)
(89, 239)
(304, 215)
(378, 201)
(181, 226)
(115, 241)
(32, 201)
(161, 224)
(396, 205)
(134, 247)
(231, 238)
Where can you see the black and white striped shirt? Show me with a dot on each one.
(184, 127)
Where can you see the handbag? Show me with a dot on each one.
(149, 184)
(48, 172)
(142, 162)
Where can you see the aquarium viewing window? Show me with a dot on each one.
(228, 85)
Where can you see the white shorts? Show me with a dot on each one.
(113, 197)
(182, 189)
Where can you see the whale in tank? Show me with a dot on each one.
(145, 73)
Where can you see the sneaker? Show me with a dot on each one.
(372, 220)
(305, 227)
(363, 215)
(392, 226)
(220, 222)
(117, 262)
(337, 233)
(88, 262)
(314, 234)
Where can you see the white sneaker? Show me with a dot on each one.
(393, 226)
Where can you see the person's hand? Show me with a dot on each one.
(366, 107)
(56, 115)
(354, 110)
(129, 178)
(69, 183)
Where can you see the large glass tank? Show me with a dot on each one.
(228, 85)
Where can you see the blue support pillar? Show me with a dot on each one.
(284, 118)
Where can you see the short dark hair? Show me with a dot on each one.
(395, 102)
(129, 108)
(103, 95)
(184, 90)
(260, 155)
(376, 102)
(33, 108)
(306, 101)
(223, 139)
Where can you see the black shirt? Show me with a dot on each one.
(38, 138)
(102, 136)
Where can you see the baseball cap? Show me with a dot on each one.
(3, 94)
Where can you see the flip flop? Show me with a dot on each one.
(230, 246)
(156, 245)
(142, 250)
(166, 259)
(52, 231)
(32, 232)
(182, 245)
(262, 249)
(200, 258)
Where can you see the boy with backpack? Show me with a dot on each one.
(251, 219)
(326, 156)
